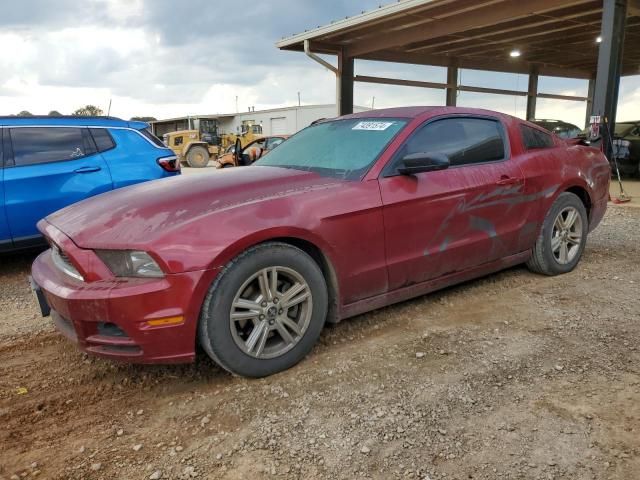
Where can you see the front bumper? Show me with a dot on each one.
(122, 319)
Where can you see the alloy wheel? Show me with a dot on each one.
(270, 312)
(566, 236)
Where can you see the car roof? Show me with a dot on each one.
(71, 120)
(413, 112)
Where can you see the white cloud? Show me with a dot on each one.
(164, 59)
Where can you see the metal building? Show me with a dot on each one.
(276, 121)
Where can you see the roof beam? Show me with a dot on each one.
(490, 64)
(480, 17)
(489, 35)
(463, 88)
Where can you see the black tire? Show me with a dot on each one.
(227, 165)
(543, 259)
(198, 157)
(215, 330)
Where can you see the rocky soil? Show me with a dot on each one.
(515, 376)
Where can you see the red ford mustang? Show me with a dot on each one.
(347, 216)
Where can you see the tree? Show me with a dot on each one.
(88, 111)
(54, 113)
(25, 113)
(143, 119)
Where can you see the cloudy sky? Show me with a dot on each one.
(164, 58)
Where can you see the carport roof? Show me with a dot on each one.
(559, 36)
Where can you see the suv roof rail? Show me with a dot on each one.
(65, 117)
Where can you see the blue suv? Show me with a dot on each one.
(47, 163)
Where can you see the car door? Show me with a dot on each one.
(47, 169)
(5, 235)
(446, 221)
(253, 151)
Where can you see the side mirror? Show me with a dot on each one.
(423, 162)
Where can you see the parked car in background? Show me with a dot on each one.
(346, 216)
(560, 128)
(47, 163)
(626, 147)
(250, 153)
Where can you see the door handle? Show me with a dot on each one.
(505, 180)
(87, 169)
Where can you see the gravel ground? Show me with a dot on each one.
(514, 376)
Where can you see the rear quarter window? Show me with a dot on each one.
(152, 138)
(532, 138)
(103, 139)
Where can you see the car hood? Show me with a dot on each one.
(135, 216)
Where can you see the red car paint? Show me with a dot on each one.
(383, 239)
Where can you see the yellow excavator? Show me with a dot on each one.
(203, 141)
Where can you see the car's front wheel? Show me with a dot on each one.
(265, 310)
(563, 237)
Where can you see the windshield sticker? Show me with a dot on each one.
(377, 126)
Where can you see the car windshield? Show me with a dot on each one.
(343, 148)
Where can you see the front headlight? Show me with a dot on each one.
(130, 263)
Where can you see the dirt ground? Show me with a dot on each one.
(515, 376)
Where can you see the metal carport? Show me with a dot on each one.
(563, 38)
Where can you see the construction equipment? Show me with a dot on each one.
(196, 145)
(203, 141)
(249, 131)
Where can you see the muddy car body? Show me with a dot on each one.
(431, 197)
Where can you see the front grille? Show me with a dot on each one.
(61, 260)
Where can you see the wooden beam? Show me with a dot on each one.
(396, 81)
(532, 93)
(506, 34)
(491, 64)
(452, 81)
(464, 88)
(483, 16)
(553, 96)
(633, 8)
(526, 38)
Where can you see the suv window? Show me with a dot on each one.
(48, 144)
(534, 138)
(464, 140)
(155, 140)
(103, 139)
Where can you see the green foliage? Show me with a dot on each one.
(88, 111)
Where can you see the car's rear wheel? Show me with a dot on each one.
(265, 310)
(563, 237)
(198, 157)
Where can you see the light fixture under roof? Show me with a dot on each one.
(599, 39)
(515, 53)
